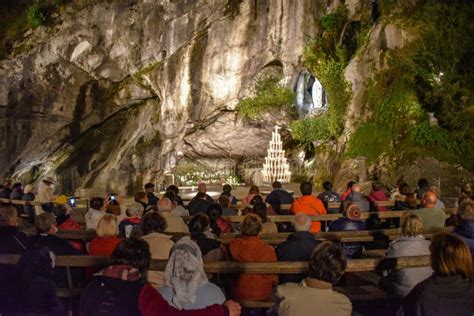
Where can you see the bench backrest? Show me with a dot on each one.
(273, 239)
(356, 265)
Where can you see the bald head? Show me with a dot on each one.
(356, 188)
(202, 187)
(429, 199)
(302, 222)
(165, 205)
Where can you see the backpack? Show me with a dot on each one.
(111, 296)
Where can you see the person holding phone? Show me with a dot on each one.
(72, 202)
(97, 207)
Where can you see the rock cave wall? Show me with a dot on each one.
(118, 92)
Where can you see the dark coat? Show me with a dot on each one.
(298, 247)
(152, 199)
(16, 194)
(60, 247)
(465, 230)
(179, 200)
(111, 296)
(12, 242)
(5, 193)
(206, 244)
(29, 209)
(327, 197)
(36, 289)
(278, 197)
(437, 295)
(351, 249)
(199, 205)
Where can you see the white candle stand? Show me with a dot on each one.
(276, 168)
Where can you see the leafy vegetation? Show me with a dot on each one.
(36, 14)
(433, 73)
(17, 16)
(269, 94)
(326, 60)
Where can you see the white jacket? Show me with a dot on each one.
(45, 193)
(93, 217)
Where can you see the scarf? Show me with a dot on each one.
(184, 272)
(121, 271)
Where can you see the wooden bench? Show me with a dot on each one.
(332, 217)
(273, 239)
(226, 267)
(343, 237)
(356, 294)
(34, 203)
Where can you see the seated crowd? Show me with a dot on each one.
(134, 234)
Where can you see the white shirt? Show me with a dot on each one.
(180, 211)
(93, 217)
(45, 193)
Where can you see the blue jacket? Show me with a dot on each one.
(298, 247)
(327, 197)
(465, 230)
(352, 250)
(278, 197)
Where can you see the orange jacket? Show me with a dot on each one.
(311, 205)
(255, 287)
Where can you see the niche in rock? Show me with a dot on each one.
(310, 94)
(273, 69)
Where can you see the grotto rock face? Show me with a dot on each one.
(120, 91)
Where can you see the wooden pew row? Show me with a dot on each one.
(238, 206)
(355, 294)
(389, 203)
(332, 217)
(285, 207)
(225, 267)
(36, 203)
(347, 236)
(78, 216)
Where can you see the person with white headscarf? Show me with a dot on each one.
(186, 284)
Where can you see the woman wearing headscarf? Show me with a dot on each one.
(121, 289)
(186, 284)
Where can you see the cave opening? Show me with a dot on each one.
(310, 94)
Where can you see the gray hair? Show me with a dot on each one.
(135, 209)
(302, 222)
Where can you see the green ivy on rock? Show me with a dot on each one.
(324, 58)
(432, 73)
(269, 94)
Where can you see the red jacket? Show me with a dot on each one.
(345, 195)
(69, 224)
(310, 205)
(225, 226)
(103, 246)
(256, 287)
(378, 196)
